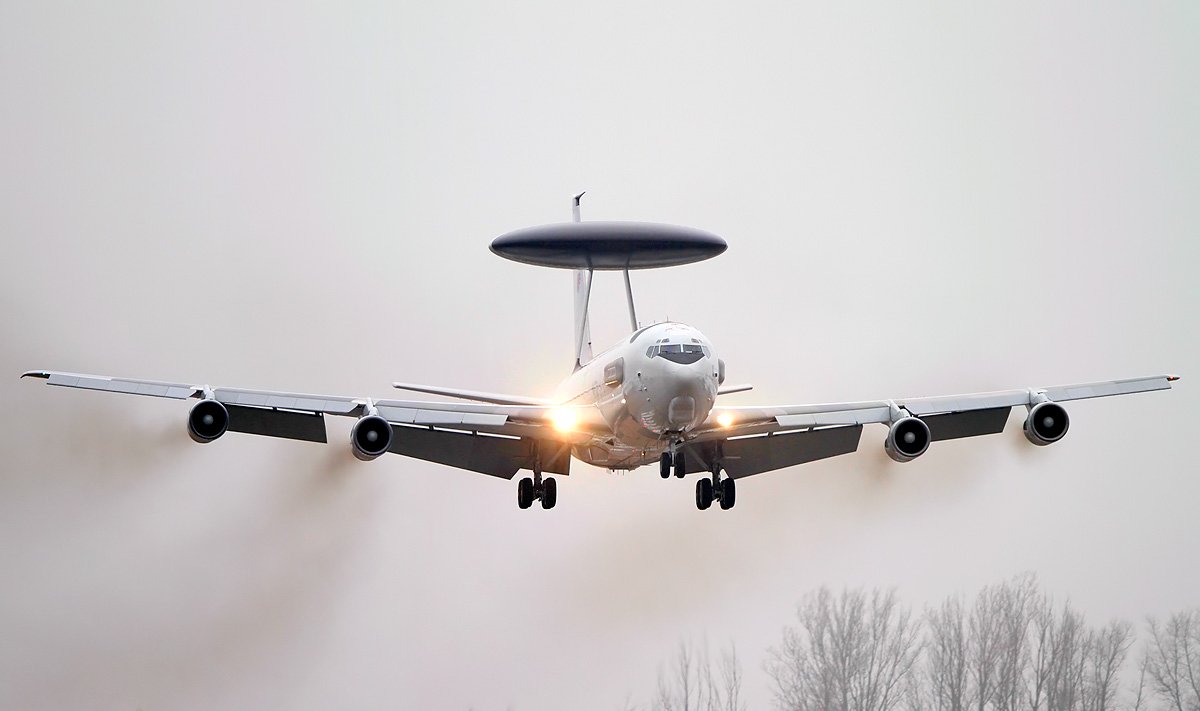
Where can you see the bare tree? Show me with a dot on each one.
(690, 684)
(1139, 692)
(977, 659)
(1064, 680)
(1173, 660)
(983, 646)
(1107, 650)
(1015, 601)
(677, 688)
(1011, 648)
(851, 652)
(946, 657)
(729, 692)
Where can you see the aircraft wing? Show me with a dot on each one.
(748, 441)
(496, 439)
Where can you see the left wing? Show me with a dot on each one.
(503, 438)
(745, 440)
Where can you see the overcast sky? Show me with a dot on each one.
(919, 199)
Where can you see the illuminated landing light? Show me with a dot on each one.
(725, 419)
(564, 419)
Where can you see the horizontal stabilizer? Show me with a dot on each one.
(730, 389)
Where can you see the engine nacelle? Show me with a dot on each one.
(208, 420)
(1046, 424)
(371, 437)
(907, 439)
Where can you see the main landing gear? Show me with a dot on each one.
(723, 490)
(529, 489)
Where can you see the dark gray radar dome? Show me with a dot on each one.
(608, 245)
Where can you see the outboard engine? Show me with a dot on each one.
(208, 420)
(1046, 424)
(907, 439)
(371, 437)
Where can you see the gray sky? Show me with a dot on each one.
(918, 200)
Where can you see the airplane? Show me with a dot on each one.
(651, 397)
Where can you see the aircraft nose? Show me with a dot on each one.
(682, 411)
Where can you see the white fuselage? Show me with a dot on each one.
(652, 389)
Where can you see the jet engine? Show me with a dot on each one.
(907, 439)
(371, 437)
(208, 420)
(1047, 423)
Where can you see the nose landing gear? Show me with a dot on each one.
(722, 490)
(529, 489)
(667, 462)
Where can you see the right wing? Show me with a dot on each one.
(495, 439)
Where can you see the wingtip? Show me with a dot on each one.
(1172, 378)
(35, 374)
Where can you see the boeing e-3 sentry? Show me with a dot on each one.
(650, 398)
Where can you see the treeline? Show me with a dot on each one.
(1011, 648)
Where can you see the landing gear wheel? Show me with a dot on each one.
(704, 494)
(728, 494)
(525, 493)
(549, 493)
(664, 465)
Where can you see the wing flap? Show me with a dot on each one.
(747, 456)
(500, 457)
(972, 423)
(301, 426)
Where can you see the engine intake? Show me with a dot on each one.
(207, 421)
(1046, 424)
(371, 437)
(907, 439)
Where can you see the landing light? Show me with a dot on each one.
(725, 419)
(564, 419)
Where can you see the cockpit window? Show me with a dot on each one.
(682, 353)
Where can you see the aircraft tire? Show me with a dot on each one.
(525, 493)
(728, 494)
(704, 493)
(549, 493)
(664, 465)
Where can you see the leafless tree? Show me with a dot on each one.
(850, 652)
(729, 692)
(1140, 702)
(977, 657)
(1173, 660)
(690, 683)
(1011, 648)
(984, 646)
(945, 674)
(1014, 604)
(1107, 649)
